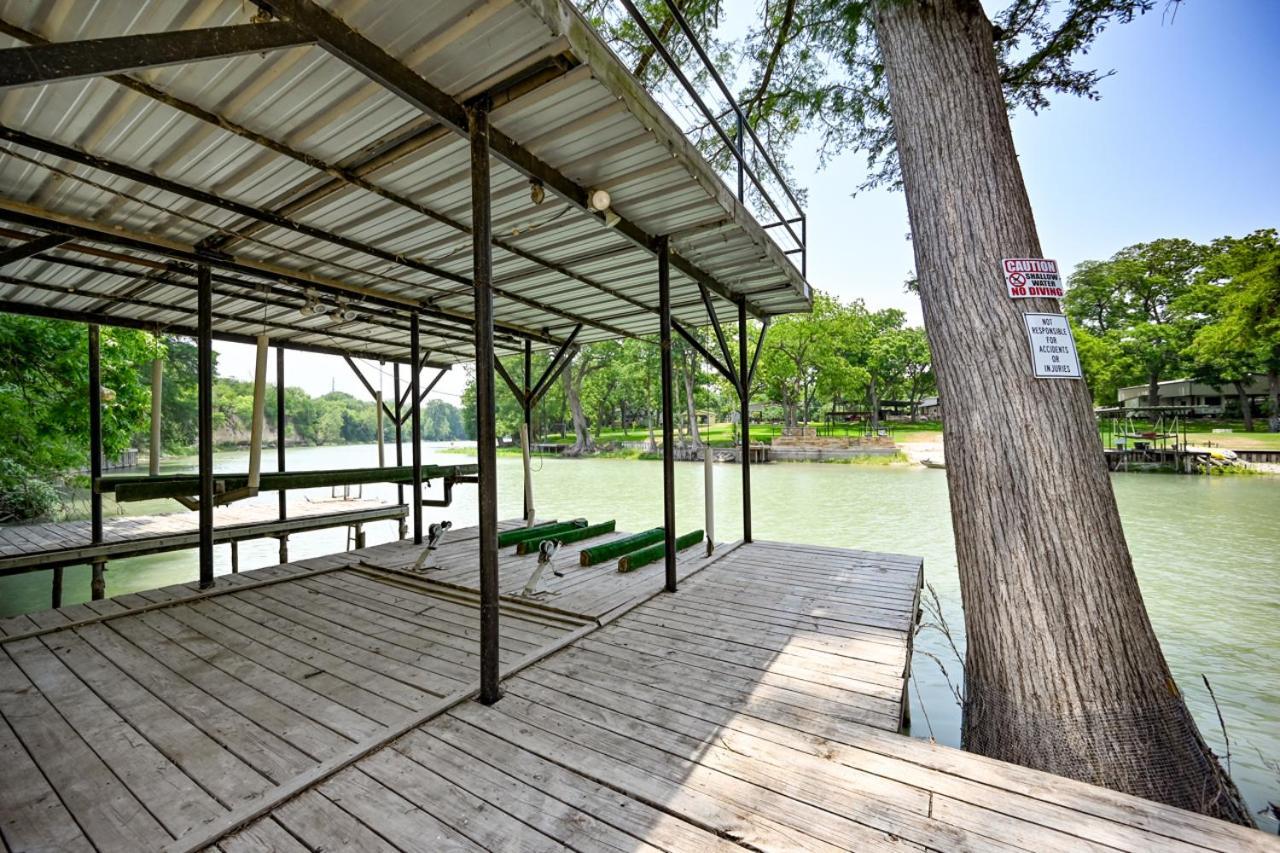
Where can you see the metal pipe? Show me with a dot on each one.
(708, 495)
(95, 429)
(280, 424)
(204, 418)
(281, 432)
(486, 429)
(157, 401)
(97, 585)
(403, 528)
(744, 397)
(737, 138)
(526, 435)
(377, 411)
(415, 428)
(668, 425)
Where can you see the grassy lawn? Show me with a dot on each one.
(721, 435)
(1201, 433)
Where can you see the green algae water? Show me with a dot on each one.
(1206, 549)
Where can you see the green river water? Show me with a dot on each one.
(1207, 551)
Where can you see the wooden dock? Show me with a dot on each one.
(31, 547)
(325, 704)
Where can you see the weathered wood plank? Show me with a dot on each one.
(32, 816)
(103, 806)
(168, 793)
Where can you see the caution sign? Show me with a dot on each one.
(1053, 350)
(1027, 277)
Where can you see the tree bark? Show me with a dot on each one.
(1063, 670)
(582, 441)
(1246, 407)
(690, 403)
(1153, 389)
(873, 397)
(1273, 393)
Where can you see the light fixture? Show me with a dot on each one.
(537, 194)
(598, 200)
(312, 305)
(611, 219)
(343, 312)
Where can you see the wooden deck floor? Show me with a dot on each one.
(324, 705)
(28, 546)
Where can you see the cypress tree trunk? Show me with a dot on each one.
(582, 441)
(1063, 670)
(1246, 407)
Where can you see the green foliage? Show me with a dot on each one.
(1172, 308)
(1132, 314)
(814, 66)
(23, 495)
(44, 391)
(837, 354)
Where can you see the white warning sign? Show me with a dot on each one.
(1053, 350)
(1027, 277)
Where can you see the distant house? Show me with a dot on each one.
(1198, 397)
(929, 408)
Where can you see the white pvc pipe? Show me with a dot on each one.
(708, 496)
(377, 403)
(259, 403)
(157, 398)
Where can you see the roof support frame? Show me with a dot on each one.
(368, 386)
(554, 369)
(250, 294)
(693, 341)
(336, 37)
(105, 319)
(30, 217)
(55, 61)
(346, 175)
(32, 247)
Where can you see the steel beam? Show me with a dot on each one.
(744, 398)
(97, 588)
(360, 53)
(528, 405)
(51, 62)
(486, 429)
(13, 254)
(32, 217)
(511, 382)
(281, 430)
(722, 369)
(129, 173)
(399, 423)
(415, 429)
(204, 420)
(32, 310)
(668, 414)
(422, 394)
(554, 369)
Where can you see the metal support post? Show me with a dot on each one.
(281, 432)
(486, 429)
(668, 418)
(415, 427)
(98, 584)
(399, 425)
(744, 397)
(204, 419)
(157, 402)
(527, 442)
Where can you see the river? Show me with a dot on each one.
(1207, 552)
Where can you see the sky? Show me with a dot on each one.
(1184, 142)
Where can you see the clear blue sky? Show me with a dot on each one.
(1185, 142)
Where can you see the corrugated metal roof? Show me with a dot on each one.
(559, 92)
